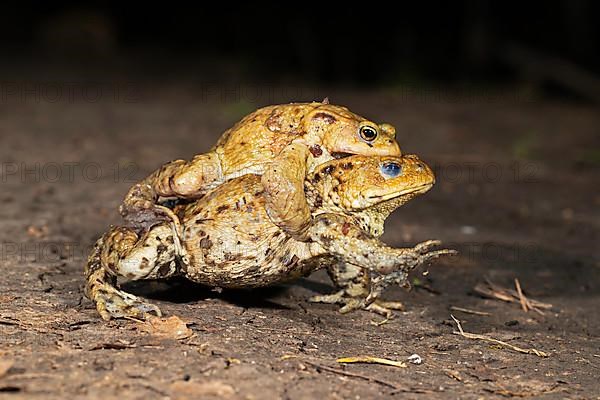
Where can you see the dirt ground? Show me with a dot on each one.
(517, 195)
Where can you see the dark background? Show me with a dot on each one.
(551, 43)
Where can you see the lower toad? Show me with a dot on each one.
(227, 240)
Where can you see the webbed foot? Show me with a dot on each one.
(421, 254)
(424, 250)
(385, 308)
(380, 307)
(340, 297)
(115, 303)
(144, 217)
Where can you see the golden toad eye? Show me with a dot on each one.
(368, 133)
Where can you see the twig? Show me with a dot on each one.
(522, 298)
(502, 391)
(493, 293)
(531, 302)
(511, 296)
(33, 376)
(379, 323)
(354, 375)
(453, 374)
(371, 360)
(485, 338)
(113, 346)
(397, 388)
(468, 311)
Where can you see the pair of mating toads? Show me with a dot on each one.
(286, 191)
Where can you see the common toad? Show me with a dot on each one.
(229, 241)
(282, 143)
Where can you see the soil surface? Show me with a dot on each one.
(517, 195)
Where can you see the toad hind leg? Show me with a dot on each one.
(120, 252)
(179, 178)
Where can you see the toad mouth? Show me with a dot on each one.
(416, 189)
(337, 155)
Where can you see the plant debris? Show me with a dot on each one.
(453, 374)
(118, 345)
(493, 291)
(485, 338)
(354, 375)
(371, 360)
(469, 311)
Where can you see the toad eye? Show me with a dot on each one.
(391, 169)
(368, 133)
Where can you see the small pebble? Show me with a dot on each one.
(415, 359)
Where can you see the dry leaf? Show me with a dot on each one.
(172, 327)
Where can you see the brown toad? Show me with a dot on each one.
(282, 143)
(229, 241)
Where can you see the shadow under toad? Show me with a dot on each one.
(180, 290)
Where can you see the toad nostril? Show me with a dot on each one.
(420, 166)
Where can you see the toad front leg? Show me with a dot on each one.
(283, 181)
(120, 252)
(340, 237)
(179, 178)
(354, 284)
